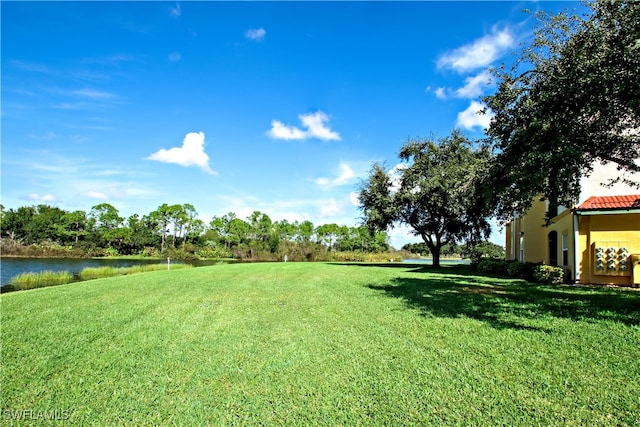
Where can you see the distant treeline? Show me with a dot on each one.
(175, 230)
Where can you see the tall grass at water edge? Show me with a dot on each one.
(40, 280)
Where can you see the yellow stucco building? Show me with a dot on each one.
(597, 240)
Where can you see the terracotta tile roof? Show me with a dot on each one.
(610, 203)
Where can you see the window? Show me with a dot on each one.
(565, 249)
(521, 257)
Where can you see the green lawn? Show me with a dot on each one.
(320, 344)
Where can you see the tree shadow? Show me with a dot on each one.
(455, 292)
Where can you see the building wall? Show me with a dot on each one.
(608, 231)
(612, 230)
(531, 229)
(562, 225)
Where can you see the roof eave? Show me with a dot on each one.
(615, 211)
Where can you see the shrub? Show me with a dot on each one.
(548, 274)
(493, 266)
(110, 252)
(523, 270)
(527, 269)
(214, 252)
(353, 256)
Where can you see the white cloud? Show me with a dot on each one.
(315, 124)
(475, 85)
(354, 198)
(401, 235)
(281, 131)
(471, 118)
(395, 175)
(42, 198)
(346, 175)
(256, 34)
(330, 209)
(191, 153)
(479, 53)
(175, 56)
(176, 11)
(440, 93)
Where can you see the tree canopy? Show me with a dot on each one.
(571, 100)
(437, 190)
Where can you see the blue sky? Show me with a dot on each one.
(279, 107)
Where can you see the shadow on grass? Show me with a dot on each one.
(458, 291)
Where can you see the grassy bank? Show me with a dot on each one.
(322, 344)
(91, 273)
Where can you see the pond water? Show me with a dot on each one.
(11, 267)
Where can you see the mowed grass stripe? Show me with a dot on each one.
(322, 344)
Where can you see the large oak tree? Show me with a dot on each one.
(437, 190)
(571, 100)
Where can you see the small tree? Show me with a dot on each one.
(108, 223)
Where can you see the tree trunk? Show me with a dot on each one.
(435, 253)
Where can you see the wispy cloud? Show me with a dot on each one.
(70, 105)
(93, 194)
(78, 99)
(42, 198)
(256, 34)
(28, 66)
(94, 94)
(116, 59)
(191, 153)
(73, 182)
(44, 137)
(176, 11)
(346, 176)
(479, 53)
(472, 116)
(314, 127)
(175, 56)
